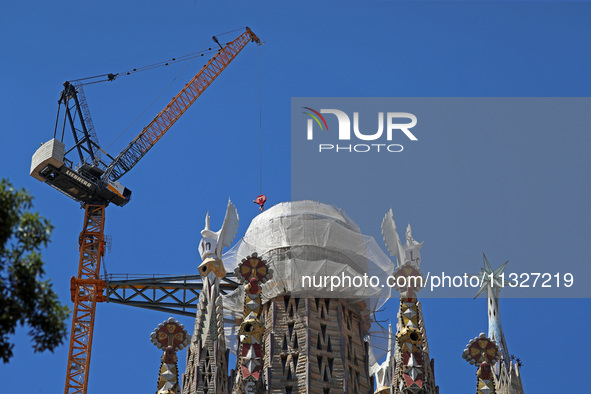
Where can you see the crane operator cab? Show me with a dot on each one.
(84, 184)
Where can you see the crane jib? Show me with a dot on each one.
(131, 155)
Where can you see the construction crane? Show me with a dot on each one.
(94, 183)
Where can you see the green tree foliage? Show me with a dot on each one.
(25, 298)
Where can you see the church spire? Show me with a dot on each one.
(491, 282)
(207, 357)
(506, 376)
(252, 272)
(170, 336)
(413, 367)
(483, 352)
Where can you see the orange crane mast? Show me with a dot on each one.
(94, 184)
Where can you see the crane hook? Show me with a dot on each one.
(261, 200)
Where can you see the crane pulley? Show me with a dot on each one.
(93, 182)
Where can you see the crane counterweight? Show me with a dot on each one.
(82, 185)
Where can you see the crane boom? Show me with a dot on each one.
(130, 156)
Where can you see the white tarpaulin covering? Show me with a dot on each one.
(308, 238)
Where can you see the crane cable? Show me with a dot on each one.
(260, 128)
(151, 103)
(232, 31)
(191, 57)
(160, 94)
(112, 76)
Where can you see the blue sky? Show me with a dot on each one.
(313, 49)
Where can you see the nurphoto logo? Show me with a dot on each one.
(394, 124)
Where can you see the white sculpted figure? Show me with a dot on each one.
(212, 243)
(383, 371)
(410, 252)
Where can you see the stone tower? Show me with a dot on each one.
(314, 334)
(412, 368)
(505, 373)
(207, 357)
(170, 336)
(315, 345)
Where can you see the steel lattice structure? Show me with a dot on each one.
(87, 290)
(173, 294)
